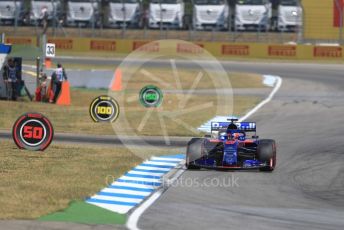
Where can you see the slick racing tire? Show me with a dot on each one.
(267, 153)
(194, 151)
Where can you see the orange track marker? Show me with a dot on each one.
(116, 83)
(64, 98)
(47, 63)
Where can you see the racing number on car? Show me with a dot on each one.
(33, 131)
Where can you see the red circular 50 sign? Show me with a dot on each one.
(33, 131)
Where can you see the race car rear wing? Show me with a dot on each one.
(244, 126)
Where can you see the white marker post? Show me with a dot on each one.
(50, 50)
(49, 53)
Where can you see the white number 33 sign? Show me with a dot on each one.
(50, 50)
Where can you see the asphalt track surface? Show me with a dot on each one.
(306, 191)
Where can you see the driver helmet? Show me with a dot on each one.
(237, 135)
(223, 136)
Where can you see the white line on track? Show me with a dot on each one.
(136, 214)
(160, 163)
(152, 168)
(124, 191)
(145, 173)
(267, 100)
(139, 179)
(114, 198)
(166, 159)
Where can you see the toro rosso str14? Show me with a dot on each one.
(229, 147)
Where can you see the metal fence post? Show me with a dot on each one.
(145, 32)
(79, 29)
(190, 33)
(166, 33)
(38, 63)
(160, 27)
(340, 10)
(2, 37)
(302, 27)
(340, 24)
(15, 16)
(229, 21)
(93, 18)
(54, 17)
(124, 10)
(43, 45)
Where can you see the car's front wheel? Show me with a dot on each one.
(194, 151)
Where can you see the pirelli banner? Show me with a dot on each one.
(278, 51)
(222, 50)
(21, 41)
(84, 44)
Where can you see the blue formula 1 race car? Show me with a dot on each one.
(228, 147)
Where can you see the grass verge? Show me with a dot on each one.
(43, 184)
(82, 212)
(34, 184)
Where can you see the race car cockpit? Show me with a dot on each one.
(233, 132)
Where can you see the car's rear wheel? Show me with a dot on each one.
(267, 153)
(194, 151)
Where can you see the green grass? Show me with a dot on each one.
(52, 185)
(35, 184)
(82, 212)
